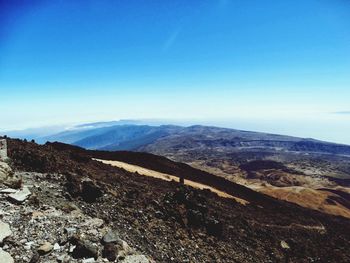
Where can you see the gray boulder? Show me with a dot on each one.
(5, 257)
(111, 237)
(20, 196)
(5, 231)
(5, 171)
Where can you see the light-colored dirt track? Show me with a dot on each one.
(167, 177)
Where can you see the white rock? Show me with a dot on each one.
(71, 248)
(70, 230)
(93, 223)
(28, 245)
(5, 257)
(61, 258)
(111, 237)
(284, 245)
(5, 231)
(23, 241)
(89, 260)
(20, 196)
(56, 246)
(8, 191)
(135, 259)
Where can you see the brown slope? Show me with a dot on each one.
(164, 165)
(167, 220)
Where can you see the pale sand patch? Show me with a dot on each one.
(167, 177)
(306, 197)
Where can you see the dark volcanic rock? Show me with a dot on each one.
(214, 227)
(195, 218)
(86, 189)
(35, 258)
(90, 191)
(73, 185)
(110, 251)
(84, 248)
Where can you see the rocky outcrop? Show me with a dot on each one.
(5, 171)
(5, 232)
(86, 188)
(20, 196)
(8, 177)
(40, 225)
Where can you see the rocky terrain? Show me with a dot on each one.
(39, 222)
(324, 193)
(311, 173)
(59, 205)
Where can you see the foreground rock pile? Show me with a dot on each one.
(39, 224)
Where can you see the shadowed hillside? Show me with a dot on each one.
(289, 168)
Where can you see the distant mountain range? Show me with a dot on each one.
(305, 171)
(126, 135)
(286, 167)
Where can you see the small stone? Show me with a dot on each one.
(84, 249)
(111, 237)
(5, 231)
(89, 260)
(37, 214)
(94, 223)
(135, 259)
(284, 245)
(71, 248)
(56, 246)
(20, 196)
(109, 252)
(5, 257)
(70, 230)
(28, 245)
(61, 258)
(45, 248)
(22, 241)
(35, 258)
(126, 248)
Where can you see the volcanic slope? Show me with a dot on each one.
(170, 222)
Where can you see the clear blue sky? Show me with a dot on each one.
(277, 66)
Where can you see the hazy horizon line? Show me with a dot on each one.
(237, 124)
